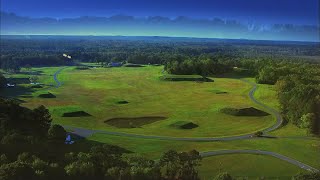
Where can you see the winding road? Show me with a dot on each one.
(88, 132)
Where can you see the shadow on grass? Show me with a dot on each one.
(16, 92)
(32, 73)
(133, 122)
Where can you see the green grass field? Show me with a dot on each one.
(98, 91)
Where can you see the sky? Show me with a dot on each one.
(260, 11)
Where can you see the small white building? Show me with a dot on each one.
(9, 85)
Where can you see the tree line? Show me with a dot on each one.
(201, 65)
(48, 51)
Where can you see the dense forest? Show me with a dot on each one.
(20, 51)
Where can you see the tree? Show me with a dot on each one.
(16, 171)
(57, 133)
(169, 161)
(308, 121)
(3, 81)
(33, 79)
(258, 133)
(307, 176)
(223, 176)
(188, 164)
(3, 159)
(28, 67)
(41, 120)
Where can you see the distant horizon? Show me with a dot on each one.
(181, 26)
(169, 37)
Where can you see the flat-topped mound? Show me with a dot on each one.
(76, 114)
(122, 102)
(133, 122)
(244, 112)
(36, 86)
(196, 78)
(184, 125)
(48, 95)
(219, 91)
(82, 67)
(133, 65)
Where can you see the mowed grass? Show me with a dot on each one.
(247, 166)
(303, 150)
(293, 143)
(97, 91)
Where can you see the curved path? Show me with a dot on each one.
(268, 153)
(55, 77)
(88, 132)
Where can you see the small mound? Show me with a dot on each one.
(221, 92)
(38, 86)
(184, 125)
(123, 102)
(133, 65)
(133, 122)
(244, 112)
(76, 114)
(195, 78)
(82, 68)
(48, 95)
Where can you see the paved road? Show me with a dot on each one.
(274, 112)
(55, 77)
(268, 153)
(88, 132)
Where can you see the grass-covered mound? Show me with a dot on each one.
(133, 122)
(76, 114)
(196, 78)
(244, 112)
(133, 65)
(122, 102)
(82, 68)
(48, 95)
(219, 92)
(37, 86)
(184, 125)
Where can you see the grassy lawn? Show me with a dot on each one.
(98, 91)
(248, 166)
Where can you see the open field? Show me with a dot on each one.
(99, 91)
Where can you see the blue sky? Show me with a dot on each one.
(259, 11)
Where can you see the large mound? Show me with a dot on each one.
(196, 78)
(244, 112)
(184, 125)
(76, 114)
(48, 95)
(133, 122)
